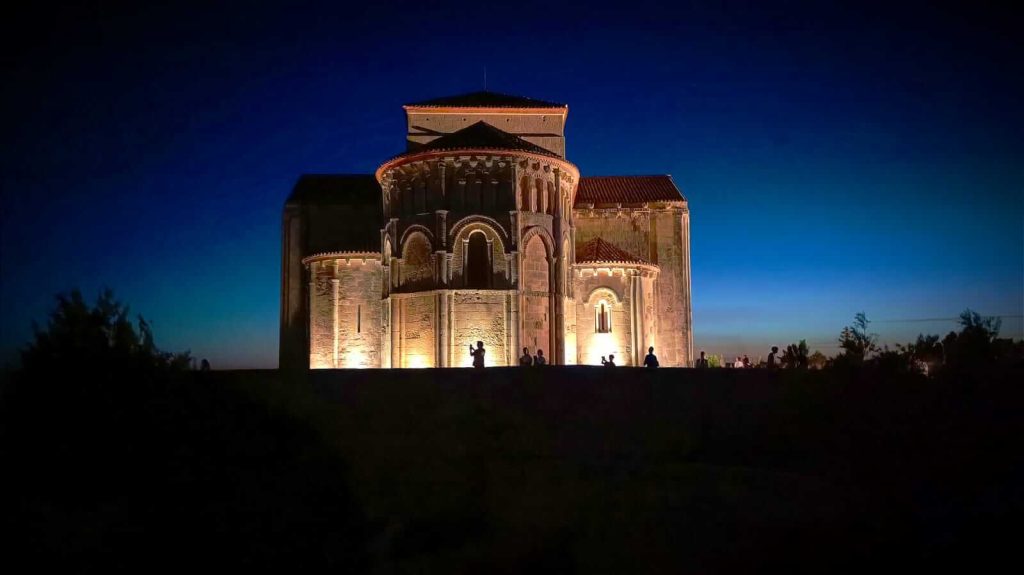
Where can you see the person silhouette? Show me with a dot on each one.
(610, 361)
(651, 360)
(746, 361)
(771, 356)
(204, 365)
(539, 359)
(702, 361)
(478, 354)
(526, 358)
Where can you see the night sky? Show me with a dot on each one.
(836, 159)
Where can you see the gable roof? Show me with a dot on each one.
(481, 135)
(341, 212)
(627, 190)
(336, 189)
(598, 250)
(484, 99)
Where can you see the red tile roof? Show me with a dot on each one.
(627, 190)
(598, 250)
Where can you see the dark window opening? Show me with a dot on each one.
(477, 260)
(603, 320)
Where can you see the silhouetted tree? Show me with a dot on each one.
(100, 337)
(855, 340)
(796, 355)
(975, 343)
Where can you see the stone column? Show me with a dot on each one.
(442, 329)
(636, 316)
(312, 311)
(396, 341)
(513, 328)
(336, 304)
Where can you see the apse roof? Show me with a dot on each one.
(627, 190)
(598, 250)
(481, 135)
(484, 99)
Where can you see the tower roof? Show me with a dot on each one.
(627, 190)
(481, 135)
(598, 250)
(484, 99)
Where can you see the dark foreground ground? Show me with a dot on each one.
(558, 469)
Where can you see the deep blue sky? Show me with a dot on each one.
(836, 159)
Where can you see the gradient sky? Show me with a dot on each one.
(836, 158)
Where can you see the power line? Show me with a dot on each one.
(926, 319)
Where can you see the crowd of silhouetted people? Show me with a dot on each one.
(650, 360)
(526, 360)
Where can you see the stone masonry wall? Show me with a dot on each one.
(544, 130)
(418, 330)
(628, 229)
(478, 315)
(321, 320)
(590, 344)
(671, 247)
(536, 287)
(359, 313)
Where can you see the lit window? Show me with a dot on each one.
(603, 319)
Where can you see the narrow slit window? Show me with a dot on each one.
(359, 319)
(604, 320)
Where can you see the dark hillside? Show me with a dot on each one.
(574, 469)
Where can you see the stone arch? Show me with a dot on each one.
(603, 292)
(490, 224)
(541, 204)
(413, 229)
(417, 270)
(549, 242)
(491, 232)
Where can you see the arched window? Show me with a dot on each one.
(478, 273)
(603, 317)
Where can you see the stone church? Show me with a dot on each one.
(482, 230)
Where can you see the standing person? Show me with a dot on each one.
(539, 359)
(610, 362)
(526, 359)
(746, 361)
(651, 360)
(702, 362)
(478, 354)
(738, 362)
(771, 357)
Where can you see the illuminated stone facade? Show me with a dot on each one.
(483, 231)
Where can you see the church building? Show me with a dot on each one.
(482, 230)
